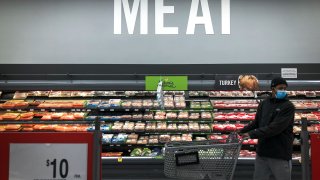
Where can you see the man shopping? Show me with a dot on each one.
(273, 126)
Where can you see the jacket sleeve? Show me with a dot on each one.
(253, 124)
(280, 123)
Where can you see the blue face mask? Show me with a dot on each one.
(281, 94)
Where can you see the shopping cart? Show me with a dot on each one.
(213, 159)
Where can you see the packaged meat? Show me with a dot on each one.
(205, 128)
(20, 95)
(137, 104)
(194, 116)
(66, 128)
(140, 127)
(183, 127)
(60, 94)
(13, 127)
(119, 139)
(195, 105)
(148, 116)
(38, 93)
(126, 104)
(79, 115)
(183, 115)
(67, 117)
(153, 140)
(143, 140)
(164, 138)
(162, 126)
(175, 138)
(160, 115)
(82, 93)
(2, 128)
(206, 115)
(92, 104)
(128, 126)
(27, 129)
(194, 126)
(150, 127)
(201, 139)
(104, 105)
(133, 136)
(137, 116)
(205, 105)
(106, 138)
(126, 117)
(147, 103)
(155, 104)
(171, 115)
(172, 127)
(10, 116)
(57, 115)
(186, 137)
(130, 93)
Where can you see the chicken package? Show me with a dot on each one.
(183, 127)
(147, 103)
(161, 126)
(194, 116)
(171, 115)
(183, 115)
(140, 127)
(137, 104)
(160, 115)
(206, 115)
(148, 116)
(172, 127)
(164, 138)
(10, 116)
(175, 138)
(150, 127)
(20, 95)
(194, 126)
(186, 137)
(137, 116)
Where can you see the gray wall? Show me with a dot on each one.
(79, 31)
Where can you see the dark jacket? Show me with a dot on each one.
(273, 126)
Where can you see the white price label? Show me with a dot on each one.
(49, 161)
(42, 110)
(19, 110)
(31, 110)
(111, 109)
(53, 110)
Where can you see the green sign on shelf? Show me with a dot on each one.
(169, 83)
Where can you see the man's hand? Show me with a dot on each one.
(245, 136)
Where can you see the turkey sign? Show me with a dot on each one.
(122, 7)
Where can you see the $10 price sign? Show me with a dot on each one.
(36, 161)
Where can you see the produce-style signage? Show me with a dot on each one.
(169, 83)
(200, 13)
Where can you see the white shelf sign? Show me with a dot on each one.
(289, 73)
(35, 161)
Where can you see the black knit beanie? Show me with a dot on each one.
(278, 80)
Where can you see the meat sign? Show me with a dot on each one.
(160, 10)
